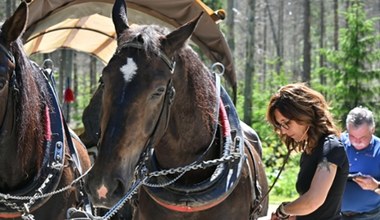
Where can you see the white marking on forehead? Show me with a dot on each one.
(129, 70)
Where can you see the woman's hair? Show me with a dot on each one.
(305, 106)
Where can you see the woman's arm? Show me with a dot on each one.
(316, 195)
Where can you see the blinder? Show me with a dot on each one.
(12, 79)
(8, 53)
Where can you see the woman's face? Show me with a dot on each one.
(290, 128)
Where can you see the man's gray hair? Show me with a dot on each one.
(359, 116)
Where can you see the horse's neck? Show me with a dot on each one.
(12, 173)
(187, 136)
(8, 139)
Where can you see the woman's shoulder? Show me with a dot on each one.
(331, 142)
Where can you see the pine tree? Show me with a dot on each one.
(354, 81)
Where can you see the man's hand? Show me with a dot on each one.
(366, 182)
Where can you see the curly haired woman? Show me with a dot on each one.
(301, 118)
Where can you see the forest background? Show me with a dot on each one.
(332, 45)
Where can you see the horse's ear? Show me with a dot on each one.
(176, 39)
(119, 16)
(15, 25)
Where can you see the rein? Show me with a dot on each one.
(275, 180)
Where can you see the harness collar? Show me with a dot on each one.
(49, 175)
(218, 186)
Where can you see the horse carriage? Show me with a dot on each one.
(171, 145)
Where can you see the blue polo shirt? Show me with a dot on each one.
(366, 161)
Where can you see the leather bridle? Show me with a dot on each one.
(163, 120)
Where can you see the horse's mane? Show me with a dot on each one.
(198, 75)
(201, 80)
(30, 106)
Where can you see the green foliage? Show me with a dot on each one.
(81, 102)
(214, 4)
(82, 99)
(353, 82)
(285, 185)
(274, 152)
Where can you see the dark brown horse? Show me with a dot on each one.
(170, 129)
(39, 160)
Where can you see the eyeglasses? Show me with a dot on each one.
(284, 125)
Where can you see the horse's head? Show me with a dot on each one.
(138, 92)
(10, 31)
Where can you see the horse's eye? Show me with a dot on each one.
(3, 70)
(158, 92)
(2, 84)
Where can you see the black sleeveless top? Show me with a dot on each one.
(331, 148)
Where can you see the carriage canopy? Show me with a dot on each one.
(86, 26)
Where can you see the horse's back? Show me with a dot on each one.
(82, 152)
(252, 137)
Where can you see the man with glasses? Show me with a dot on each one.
(361, 199)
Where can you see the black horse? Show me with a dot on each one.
(169, 130)
(40, 161)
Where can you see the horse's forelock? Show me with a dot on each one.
(147, 35)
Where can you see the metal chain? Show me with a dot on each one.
(201, 165)
(32, 199)
(122, 201)
(11, 197)
(157, 185)
(146, 176)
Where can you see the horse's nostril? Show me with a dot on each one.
(120, 187)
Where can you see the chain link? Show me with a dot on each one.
(201, 165)
(4, 198)
(11, 197)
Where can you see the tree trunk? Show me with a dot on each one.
(93, 78)
(8, 8)
(322, 77)
(336, 25)
(307, 43)
(231, 25)
(66, 75)
(249, 65)
(295, 38)
(75, 83)
(280, 30)
(265, 45)
(275, 37)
